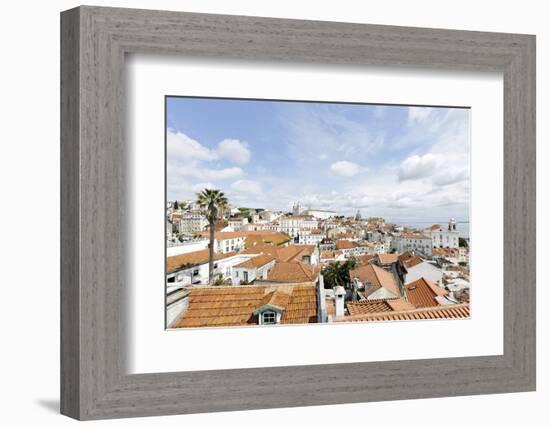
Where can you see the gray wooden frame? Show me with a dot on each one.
(94, 41)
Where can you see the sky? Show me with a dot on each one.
(402, 163)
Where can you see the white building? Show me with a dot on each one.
(169, 229)
(310, 237)
(423, 269)
(269, 216)
(225, 242)
(255, 268)
(292, 224)
(192, 268)
(187, 246)
(191, 222)
(443, 237)
(463, 254)
(383, 238)
(237, 223)
(320, 213)
(414, 242)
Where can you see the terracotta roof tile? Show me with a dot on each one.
(377, 277)
(234, 306)
(293, 272)
(364, 259)
(422, 293)
(400, 304)
(252, 237)
(412, 261)
(256, 262)
(455, 311)
(285, 254)
(387, 258)
(404, 256)
(433, 227)
(344, 244)
(326, 254)
(365, 307)
(190, 259)
(448, 252)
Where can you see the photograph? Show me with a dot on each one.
(296, 212)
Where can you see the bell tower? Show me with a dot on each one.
(452, 224)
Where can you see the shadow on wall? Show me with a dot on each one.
(51, 405)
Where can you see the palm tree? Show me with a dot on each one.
(337, 273)
(213, 202)
(332, 275)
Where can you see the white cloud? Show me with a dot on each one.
(345, 168)
(234, 150)
(451, 176)
(418, 114)
(182, 148)
(202, 185)
(416, 167)
(203, 173)
(191, 168)
(247, 187)
(323, 156)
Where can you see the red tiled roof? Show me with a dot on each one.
(252, 236)
(234, 305)
(412, 261)
(454, 311)
(327, 254)
(257, 261)
(449, 252)
(387, 258)
(343, 235)
(405, 255)
(365, 307)
(293, 272)
(422, 293)
(433, 227)
(364, 259)
(344, 244)
(284, 254)
(400, 304)
(377, 277)
(190, 259)
(378, 306)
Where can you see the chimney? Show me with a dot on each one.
(339, 300)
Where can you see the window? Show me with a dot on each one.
(268, 318)
(245, 276)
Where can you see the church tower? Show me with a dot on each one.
(452, 224)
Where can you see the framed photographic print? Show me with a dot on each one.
(292, 213)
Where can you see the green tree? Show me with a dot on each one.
(213, 202)
(337, 273)
(220, 281)
(462, 242)
(176, 205)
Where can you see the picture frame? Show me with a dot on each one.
(94, 381)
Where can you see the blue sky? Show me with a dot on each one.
(403, 163)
